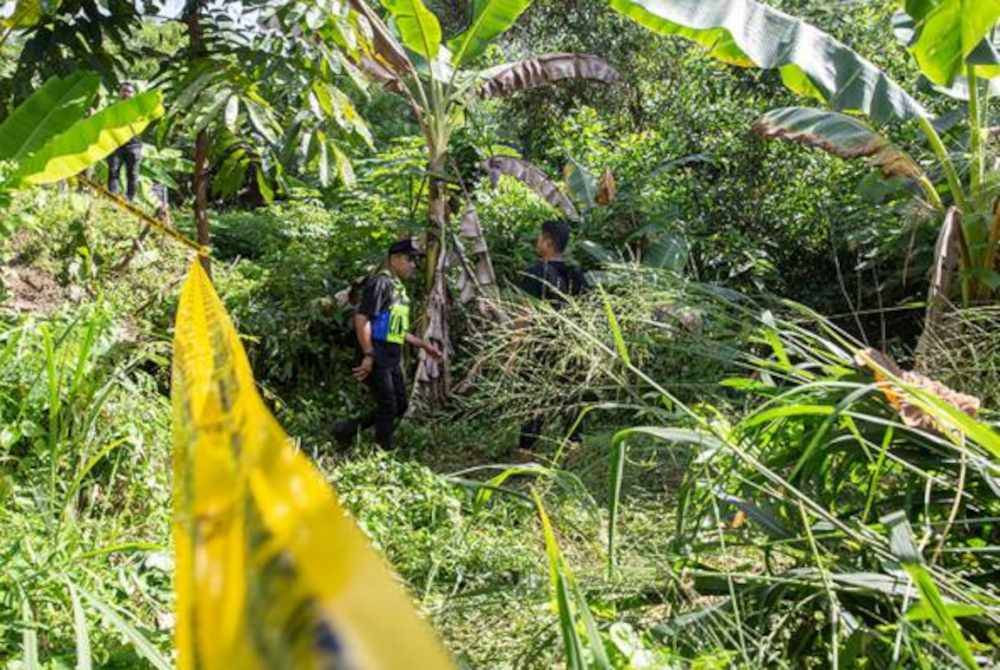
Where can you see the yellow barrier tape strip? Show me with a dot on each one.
(271, 571)
(155, 223)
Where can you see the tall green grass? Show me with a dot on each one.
(786, 537)
(85, 495)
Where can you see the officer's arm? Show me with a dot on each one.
(429, 347)
(363, 331)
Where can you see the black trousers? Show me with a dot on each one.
(130, 156)
(532, 429)
(389, 392)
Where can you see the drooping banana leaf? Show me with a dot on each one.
(542, 71)
(533, 178)
(90, 140)
(750, 34)
(948, 32)
(418, 27)
(837, 134)
(489, 19)
(57, 105)
(380, 74)
(959, 89)
(386, 50)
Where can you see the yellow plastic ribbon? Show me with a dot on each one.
(271, 572)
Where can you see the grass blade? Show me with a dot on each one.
(616, 331)
(905, 549)
(940, 615)
(142, 645)
(617, 469)
(29, 636)
(83, 661)
(570, 603)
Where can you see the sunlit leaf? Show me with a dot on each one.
(750, 34)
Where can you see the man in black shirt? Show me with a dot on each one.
(550, 279)
(128, 154)
(381, 322)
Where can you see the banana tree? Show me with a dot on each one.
(952, 45)
(434, 76)
(49, 136)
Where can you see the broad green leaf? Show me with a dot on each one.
(581, 183)
(418, 27)
(750, 34)
(344, 169)
(50, 110)
(90, 140)
(232, 112)
(26, 14)
(265, 189)
(838, 134)
(490, 18)
(948, 33)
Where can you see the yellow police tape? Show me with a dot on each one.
(271, 572)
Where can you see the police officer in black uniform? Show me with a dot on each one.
(381, 325)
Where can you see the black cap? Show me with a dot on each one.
(405, 246)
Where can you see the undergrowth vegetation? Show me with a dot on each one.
(744, 495)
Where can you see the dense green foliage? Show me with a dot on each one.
(744, 495)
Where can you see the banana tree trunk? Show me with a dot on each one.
(946, 264)
(432, 383)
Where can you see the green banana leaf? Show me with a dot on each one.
(750, 34)
(57, 105)
(948, 32)
(90, 140)
(26, 14)
(490, 18)
(837, 134)
(418, 27)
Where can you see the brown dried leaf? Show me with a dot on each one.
(606, 188)
(544, 70)
(532, 177)
(911, 414)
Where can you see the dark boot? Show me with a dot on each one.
(344, 432)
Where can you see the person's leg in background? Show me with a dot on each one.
(114, 170)
(530, 432)
(132, 157)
